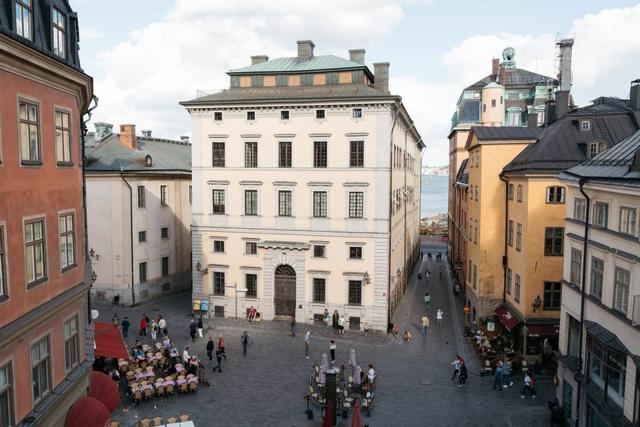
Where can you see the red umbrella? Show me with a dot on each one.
(88, 412)
(328, 415)
(104, 389)
(356, 420)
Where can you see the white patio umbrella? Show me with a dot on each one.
(356, 375)
(352, 361)
(324, 365)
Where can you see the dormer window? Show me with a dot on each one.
(596, 148)
(585, 125)
(24, 18)
(59, 28)
(148, 162)
(284, 115)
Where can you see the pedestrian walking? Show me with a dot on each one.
(326, 319)
(366, 329)
(497, 377)
(244, 339)
(506, 375)
(200, 328)
(210, 347)
(439, 315)
(341, 322)
(144, 323)
(457, 362)
(153, 328)
(425, 324)
(162, 326)
(293, 326)
(529, 382)
(115, 320)
(307, 339)
(193, 329)
(332, 351)
(185, 355)
(220, 340)
(220, 354)
(125, 327)
(427, 299)
(463, 375)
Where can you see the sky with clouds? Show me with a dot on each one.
(148, 55)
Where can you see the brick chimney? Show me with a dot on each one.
(259, 59)
(634, 95)
(565, 46)
(357, 55)
(495, 64)
(381, 76)
(305, 49)
(128, 136)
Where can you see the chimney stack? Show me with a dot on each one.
(634, 95)
(103, 129)
(562, 103)
(128, 136)
(565, 47)
(381, 76)
(495, 64)
(146, 133)
(184, 138)
(259, 59)
(357, 55)
(305, 49)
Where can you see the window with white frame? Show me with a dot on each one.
(519, 193)
(251, 283)
(6, 396)
(355, 292)
(628, 220)
(597, 277)
(552, 295)
(510, 192)
(596, 148)
(40, 368)
(251, 248)
(585, 125)
(509, 278)
(621, 289)
(29, 134)
(320, 204)
(518, 236)
(24, 18)
(576, 267)
(510, 233)
(555, 194)
(59, 24)
(319, 154)
(320, 114)
(516, 292)
(319, 251)
(284, 203)
(284, 154)
(67, 241)
(251, 202)
(218, 283)
(553, 241)
(218, 246)
(514, 117)
(601, 214)
(71, 344)
(284, 115)
(219, 206)
(217, 154)
(251, 115)
(34, 251)
(355, 252)
(319, 290)
(356, 154)
(63, 137)
(163, 195)
(250, 154)
(141, 197)
(356, 204)
(579, 209)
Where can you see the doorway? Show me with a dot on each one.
(285, 291)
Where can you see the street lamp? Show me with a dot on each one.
(237, 289)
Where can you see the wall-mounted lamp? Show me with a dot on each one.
(367, 279)
(94, 277)
(537, 303)
(199, 268)
(93, 254)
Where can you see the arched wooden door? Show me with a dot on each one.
(285, 290)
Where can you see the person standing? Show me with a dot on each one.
(162, 326)
(192, 330)
(497, 376)
(125, 327)
(153, 327)
(220, 353)
(200, 328)
(210, 346)
(334, 320)
(244, 339)
(307, 339)
(293, 326)
(462, 376)
(427, 299)
(332, 351)
(143, 326)
(326, 322)
(529, 382)
(341, 325)
(439, 315)
(506, 375)
(456, 366)
(425, 324)
(366, 329)
(185, 355)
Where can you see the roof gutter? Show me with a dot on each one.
(133, 291)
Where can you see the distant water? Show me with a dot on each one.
(434, 198)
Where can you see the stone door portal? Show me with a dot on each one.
(285, 291)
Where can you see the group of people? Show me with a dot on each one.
(148, 327)
(220, 353)
(338, 322)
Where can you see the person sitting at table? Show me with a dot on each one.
(170, 371)
(138, 353)
(166, 341)
(193, 365)
(175, 356)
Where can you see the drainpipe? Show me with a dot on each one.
(585, 245)
(133, 291)
(395, 119)
(506, 231)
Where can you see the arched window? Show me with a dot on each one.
(519, 193)
(596, 148)
(148, 162)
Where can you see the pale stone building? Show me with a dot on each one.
(306, 181)
(138, 214)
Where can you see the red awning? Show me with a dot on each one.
(109, 342)
(543, 330)
(506, 318)
(87, 411)
(103, 388)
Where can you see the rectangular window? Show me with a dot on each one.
(40, 368)
(509, 278)
(251, 154)
(555, 194)
(553, 238)
(516, 293)
(218, 202)
(71, 344)
(24, 18)
(573, 346)
(355, 252)
(493, 103)
(356, 204)
(510, 233)
(66, 225)
(576, 267)
(355, 292)
(29, 133)
(579, 209)
(251, 202)
(284, 115)
(320, 154)
(34, 251)
(356, 156)
(319, 251)
(217, 154)
(217, 116)
(142, 236)
(59, 33)
(319, 290)
(63, 138)
(284, 203)
(6, 396)
(475, 276)
(163, 195)
(142, 269)
(218, 246)
(320, 204)
(320, 114)
(218, 283)
(518, 237)
(510, 192)
(164, 232)
(251, 248)
(621, 289)
(284, 154)
(251, 283)
(552, 295)
(357, 113)
(601, 214)
(190, 195)
(141, 197)
(519, 194)
(165, 266)
(3, 273)
(251, 115)
(628, 220)
(597, 277)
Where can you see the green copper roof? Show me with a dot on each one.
(295, 65)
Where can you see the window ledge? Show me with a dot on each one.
(37, 283)
(31, 163)
(4, 298)
(64, 164)
(69, 268)
(355, 305)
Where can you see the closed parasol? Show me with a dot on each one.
(324, 365)
(356, 375)
(352, 361)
